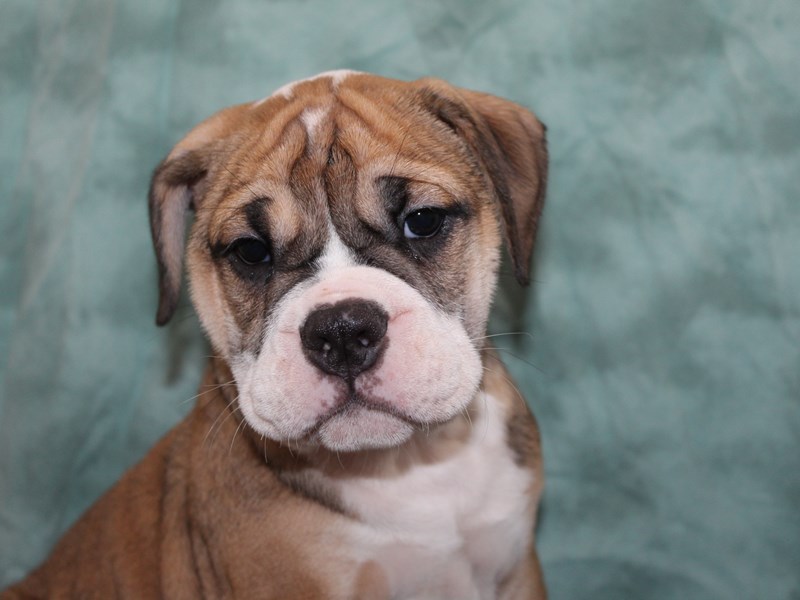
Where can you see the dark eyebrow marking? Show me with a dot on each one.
(394, 190)
(256, 217)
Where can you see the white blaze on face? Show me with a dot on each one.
(428, 372)
(336, 255)
(311, 119)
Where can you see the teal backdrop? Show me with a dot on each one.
(663, 360)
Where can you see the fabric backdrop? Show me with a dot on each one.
(662, 361)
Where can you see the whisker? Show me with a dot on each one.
(465, 410)
(222, 423)
(486, 337)
(399, 150)
(508, 381)
(210, 429)
(519, 358)
(208, 391)
(288, 446)
(242, 182)
(233, 439)
(264, 439)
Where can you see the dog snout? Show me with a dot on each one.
(345, 338)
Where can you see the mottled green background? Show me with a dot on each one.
(665, 320)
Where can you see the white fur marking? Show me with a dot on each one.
(282, 394)
(336, 254)
(311, 118)
(449, 529)
(287, 91)
(338, 75)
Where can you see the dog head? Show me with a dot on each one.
(345, 247)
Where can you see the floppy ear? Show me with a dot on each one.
(173, 190)
(510, 143)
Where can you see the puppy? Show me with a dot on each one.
(353, 437)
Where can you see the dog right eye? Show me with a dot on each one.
(251, 251)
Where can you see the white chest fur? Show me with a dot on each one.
(452, 527)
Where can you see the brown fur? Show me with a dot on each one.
(216, 511)
(178, 524)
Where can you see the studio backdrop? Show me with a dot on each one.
(659, 342)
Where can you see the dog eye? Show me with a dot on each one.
(251, 251)
(423, 223)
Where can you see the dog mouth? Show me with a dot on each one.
(360, 423)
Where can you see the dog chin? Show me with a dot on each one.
(360, 428)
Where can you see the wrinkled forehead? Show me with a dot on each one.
(329, 131)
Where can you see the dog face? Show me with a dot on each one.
(345, 248)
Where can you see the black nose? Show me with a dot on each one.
(345, 338)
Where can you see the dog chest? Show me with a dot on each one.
(451, 528)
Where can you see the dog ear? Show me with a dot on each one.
(173, 190)
(510, 142)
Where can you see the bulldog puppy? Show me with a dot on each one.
(353, 436)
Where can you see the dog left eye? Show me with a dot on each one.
(423, 223)
(251, 251)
